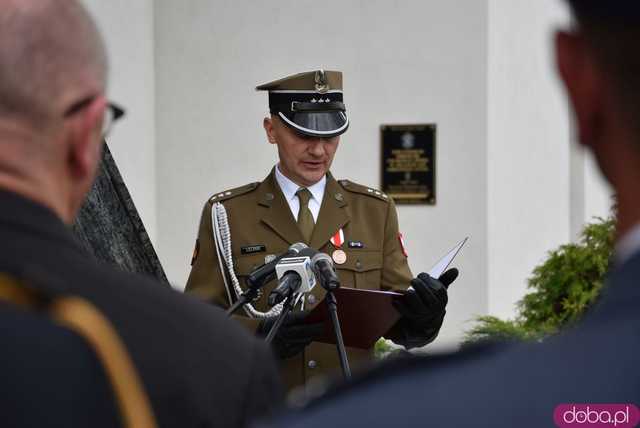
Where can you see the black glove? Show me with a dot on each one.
(293, 335)
(422, 309)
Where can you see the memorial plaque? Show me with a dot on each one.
(108, 225)
(409, 163)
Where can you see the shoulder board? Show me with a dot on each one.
(232, 193)
(363, 190)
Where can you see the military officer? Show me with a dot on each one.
(301, 201)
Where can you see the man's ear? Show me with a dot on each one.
(267, 123)
(85, 148)
(581, 77)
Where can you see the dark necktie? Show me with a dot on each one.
(305, 218)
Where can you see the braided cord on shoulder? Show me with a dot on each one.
(222, 240)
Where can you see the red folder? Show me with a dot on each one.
(365, 316)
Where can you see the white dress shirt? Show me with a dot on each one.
(289, 189)
(628, 245)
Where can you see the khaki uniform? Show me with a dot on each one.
(260, 216)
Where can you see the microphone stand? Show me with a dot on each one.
(332, 305)
(250, 294)
(246, 297)
(286, 308)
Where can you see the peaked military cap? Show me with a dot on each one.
(613, 11)
(311, 103)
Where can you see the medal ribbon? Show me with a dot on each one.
(338, 239)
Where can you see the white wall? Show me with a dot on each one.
(482, 70)
(543, 188)
(591, 195)
(403, 62)
(127, 27)
(528, 147)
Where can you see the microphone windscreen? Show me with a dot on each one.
(321, 256)
(307, 252)
(297, 247)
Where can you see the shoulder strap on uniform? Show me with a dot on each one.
(363, 190)
(11, 291)
(232, 193)
(87, 321)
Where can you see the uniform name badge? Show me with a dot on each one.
(339, 256)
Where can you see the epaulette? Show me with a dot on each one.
(363, 190)
(228, 194)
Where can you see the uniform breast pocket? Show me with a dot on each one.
(363, 269)
(244, 265)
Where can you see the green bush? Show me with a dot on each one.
(562, 287)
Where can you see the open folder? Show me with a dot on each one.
(366, 315)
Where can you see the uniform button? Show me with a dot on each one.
(311, 299)
(339, 197)
(312, 364)
(269, 196)
(358, 265)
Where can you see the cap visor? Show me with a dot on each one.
(322, 124)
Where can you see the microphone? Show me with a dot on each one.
(267, 272)
(287, 285)
(323, 267)
(294, 276)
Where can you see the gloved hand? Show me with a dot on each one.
(422, 309)
(293, 335)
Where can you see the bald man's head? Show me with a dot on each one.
(53, 71)
(51, 54)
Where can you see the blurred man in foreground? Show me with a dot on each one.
(198, 368)
(569, 378)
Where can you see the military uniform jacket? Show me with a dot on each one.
(199, 369)
(261, 224)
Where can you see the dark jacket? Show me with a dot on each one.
(517, 385)
(68, 388)
(198, 368)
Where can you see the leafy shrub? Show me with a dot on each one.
(562, 287)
